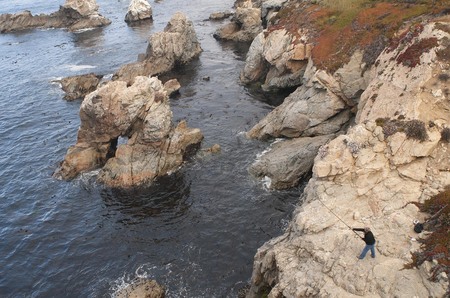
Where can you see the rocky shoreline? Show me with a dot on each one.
(384, 108)
(368, 117)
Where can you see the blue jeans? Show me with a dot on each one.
(366, 249)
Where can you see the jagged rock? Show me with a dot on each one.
(141, 288)
(139, 113)
(390, 97)
(371, 176)
(276, 58)
(178, 44)
(79, 86)
(244, 26)
(74, 15)
(288, 161)
(216, 16)
(311, 110)
(268, 7)
(138, 10)
(172, 87)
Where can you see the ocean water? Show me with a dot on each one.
(195, 231)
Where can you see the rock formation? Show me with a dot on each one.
(74, 15)
(178, 44)
(139, 114)
(172, 87)
(79, 86)
(141, 288)
(288, 161)
(216, 16)
(394, 156)
(277, 59)
(138, 10)
(318, 107)
(245, 24)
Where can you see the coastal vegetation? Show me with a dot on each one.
(436, 246)
(339, 28)
(414, 129)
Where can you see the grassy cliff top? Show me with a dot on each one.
(339, 27)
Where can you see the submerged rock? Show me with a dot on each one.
(141, 288)
(138, 10)
(79, 86)
(139, 113)
(74, 15)
(215, 16)
(178, 44)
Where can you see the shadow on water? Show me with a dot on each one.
(239, 49)
(167, 196)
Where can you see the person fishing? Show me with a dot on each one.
(369, 239)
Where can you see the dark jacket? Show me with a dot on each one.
(369, 239)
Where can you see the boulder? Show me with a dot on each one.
(311, 110)
(79, 86)
(172, 87)
(138, 10)
(74, 15)
(140, 114)
(177, 45)
(140, 288)
(243, 27)
(288, 161)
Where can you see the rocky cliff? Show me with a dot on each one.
(386, 101)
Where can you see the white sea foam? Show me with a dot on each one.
(142, 272)
(72, 67)
(267, 182)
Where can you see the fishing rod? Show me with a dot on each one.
(331, 211)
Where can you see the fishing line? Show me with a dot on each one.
(331, 211)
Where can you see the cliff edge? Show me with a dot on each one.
(391, 156)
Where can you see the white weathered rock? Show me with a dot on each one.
(244, 26)
(83, 7)
(288, 161)
(407, 91)
(141, 113)
(310, 110)
(138, 10)
(178, 44)
(277, 59)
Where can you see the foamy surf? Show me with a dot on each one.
(72, 67)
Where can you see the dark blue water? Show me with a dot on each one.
(195, 232)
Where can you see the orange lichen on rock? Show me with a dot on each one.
(338, 33)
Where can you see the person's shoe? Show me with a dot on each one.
(373, 257)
